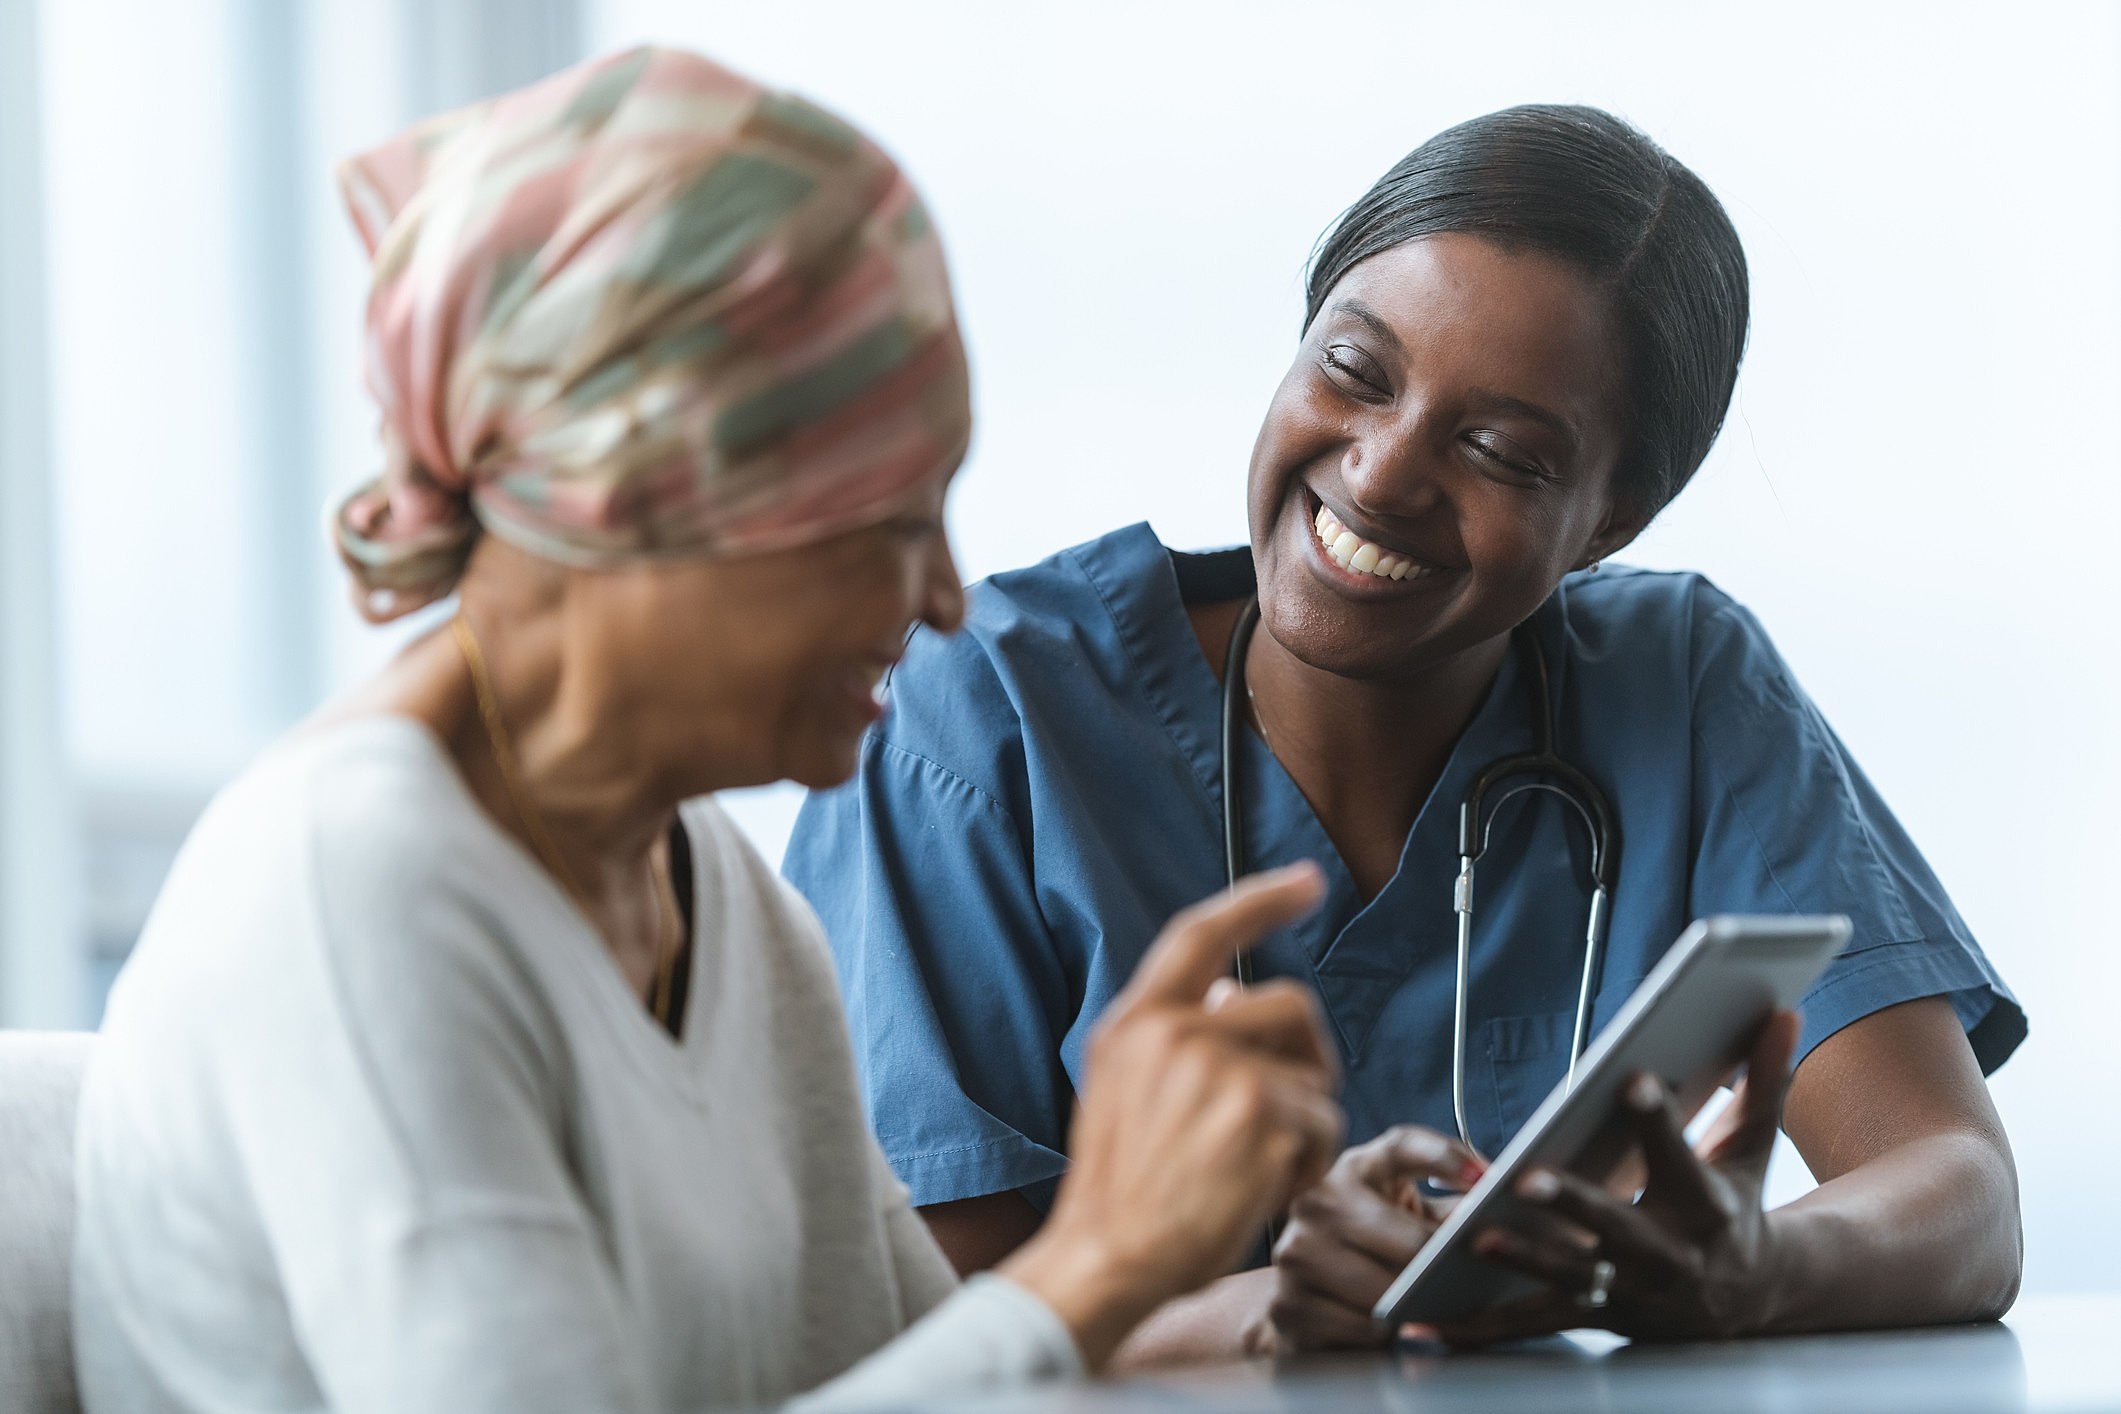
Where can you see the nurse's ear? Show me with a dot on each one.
(1624, 520)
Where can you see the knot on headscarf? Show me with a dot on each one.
(641, 308)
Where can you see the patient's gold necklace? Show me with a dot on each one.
(662, 985)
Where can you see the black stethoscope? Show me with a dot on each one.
(1501, 781)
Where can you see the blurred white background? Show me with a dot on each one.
(1918, 491)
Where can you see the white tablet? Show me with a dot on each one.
(1690, 1022)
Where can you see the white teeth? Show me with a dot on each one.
(1357, 555)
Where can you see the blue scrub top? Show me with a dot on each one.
(1044, 795)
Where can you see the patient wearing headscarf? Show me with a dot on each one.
(472, 1061)
(645, 309)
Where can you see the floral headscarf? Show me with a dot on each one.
(642, 308)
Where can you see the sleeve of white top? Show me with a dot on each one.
(925, 1276)
(991, 1335)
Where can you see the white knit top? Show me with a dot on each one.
(376, 1126)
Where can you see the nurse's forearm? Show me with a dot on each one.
(1927, 1232)
(977, 1233)
(1208, 1325)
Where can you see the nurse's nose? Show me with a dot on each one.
(1392, 471)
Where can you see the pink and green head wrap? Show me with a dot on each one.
(643, 308)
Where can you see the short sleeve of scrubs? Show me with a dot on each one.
(1786, 822)
(954, 997)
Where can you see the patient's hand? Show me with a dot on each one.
(1350, 1236)
(1204, 1110)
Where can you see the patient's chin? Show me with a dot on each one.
(821, 764)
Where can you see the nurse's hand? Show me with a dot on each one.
(1691, 1258)
(1204, 1110)
(1349, 1237)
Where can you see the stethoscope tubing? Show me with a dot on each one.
(1539, 770)
(1232, 729)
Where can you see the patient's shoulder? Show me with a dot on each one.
(362, 828)
(381, 807)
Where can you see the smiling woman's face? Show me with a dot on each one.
(1452, 424)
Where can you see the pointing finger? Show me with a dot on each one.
(1281, 1018)
(1197, 945)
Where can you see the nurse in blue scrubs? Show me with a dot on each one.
(1517, 348)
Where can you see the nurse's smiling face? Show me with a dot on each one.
(1451, 425)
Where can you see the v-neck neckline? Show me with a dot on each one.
(1360, 954)
(652, 1044)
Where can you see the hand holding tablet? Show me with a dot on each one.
(1699, 1014)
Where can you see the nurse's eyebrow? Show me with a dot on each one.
(1488, 398)
(1533, 412)
(1355, 308)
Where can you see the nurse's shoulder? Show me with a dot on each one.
(1043, 653)
(1672, 631)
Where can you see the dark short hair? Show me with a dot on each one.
(1581, 185)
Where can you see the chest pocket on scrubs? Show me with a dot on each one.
(1527, 1057)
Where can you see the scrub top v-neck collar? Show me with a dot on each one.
(1359, 955)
